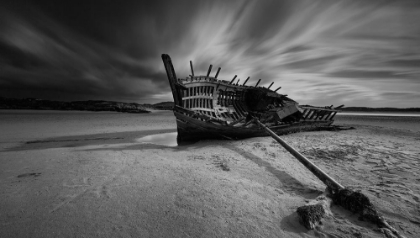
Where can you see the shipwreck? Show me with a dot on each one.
(210, 108)
(206, 107)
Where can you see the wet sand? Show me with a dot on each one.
(88, 174)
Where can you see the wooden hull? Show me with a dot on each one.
(190, 129)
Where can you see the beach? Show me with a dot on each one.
(93, 174)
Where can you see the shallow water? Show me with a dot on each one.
(22, 125)
(165, 139)
(387, 114)
(411, 123)
(28, 125)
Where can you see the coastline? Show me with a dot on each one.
(87, 177)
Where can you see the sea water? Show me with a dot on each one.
(27, 125)
(18, 126)
(165, 139)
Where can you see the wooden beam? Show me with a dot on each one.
(192, 69)
(325, 178)
(218, 70)
(237, 82)
(233, 79)
(277, 89)
(259, 80)
(270, 85)
(319, 108)
(173, 80)
(332, 116)
(237, 121)
(245, 81)
(208, 72)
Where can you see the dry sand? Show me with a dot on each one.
(86, 175)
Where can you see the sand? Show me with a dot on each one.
(87, 175)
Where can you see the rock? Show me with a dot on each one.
(311, 215)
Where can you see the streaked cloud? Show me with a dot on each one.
(321, 52)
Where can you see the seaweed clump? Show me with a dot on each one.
(357, 202)
(311, 215)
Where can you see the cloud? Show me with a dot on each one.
(58, 60)
(312, 63)
(112, 50)
(405, 63)
(364, 74)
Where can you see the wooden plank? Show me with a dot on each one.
(304, 113)
(246, 80)
(327, 115)
(315, 113)
(274, 95)
(233, 79)
(173, 80)
(332, 116)
(319, 108)
(217, 74)
(259, 80)
(198, 84)
(309, 114)
(208, 72)
(321, 115)
(194, 109)
(237, 121)
(192, 69)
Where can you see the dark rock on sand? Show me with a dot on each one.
(311, 215)
(29, 175)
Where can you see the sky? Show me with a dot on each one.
(357, 53)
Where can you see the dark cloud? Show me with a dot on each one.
(111, 49)
(42, 56)
(406, 63)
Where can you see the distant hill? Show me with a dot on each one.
(164, 105)
(160, 106)
(90, 105)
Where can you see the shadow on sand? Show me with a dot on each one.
(290, 183)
